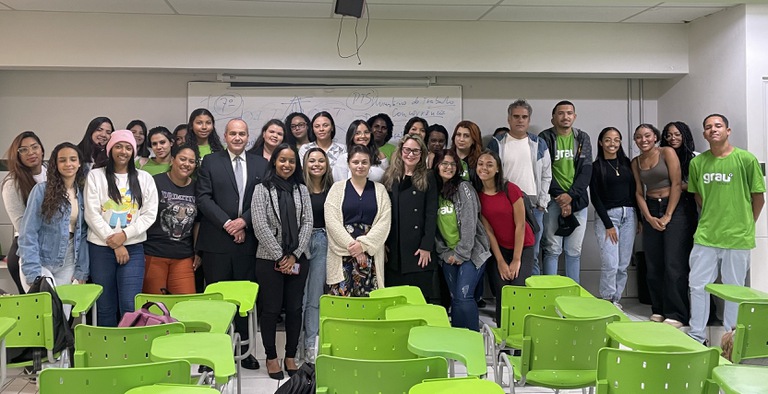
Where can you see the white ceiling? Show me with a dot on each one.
(626, 11)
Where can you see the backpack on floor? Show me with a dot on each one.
(303, 382)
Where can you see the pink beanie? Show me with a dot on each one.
(121, 136)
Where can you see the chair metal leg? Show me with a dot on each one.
(3, 362)
(451, 368)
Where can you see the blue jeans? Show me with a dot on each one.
(539, 215)
(121, 283)
(615, 257)
(555, 245)
(462, 280)
(318, 247)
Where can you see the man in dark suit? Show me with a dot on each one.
(224, 189)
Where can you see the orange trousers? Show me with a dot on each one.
(176, 275)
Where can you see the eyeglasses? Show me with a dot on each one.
(363, 132)
(409, 151)
(298, 126)
(25, 150)
(447, 164)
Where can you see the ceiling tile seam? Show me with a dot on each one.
(490, 9)
(168, 3)
(638, 13)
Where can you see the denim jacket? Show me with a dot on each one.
(44, 244)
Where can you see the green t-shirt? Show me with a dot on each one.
(204, 150)
(153, 168)
(725, 185)
(464, 171)
(387, 149)
(563, 168)
(447, 222)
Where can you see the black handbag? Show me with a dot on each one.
(303, 382)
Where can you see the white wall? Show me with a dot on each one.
(88, 41)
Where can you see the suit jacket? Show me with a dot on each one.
(414, 222)
(218, 201)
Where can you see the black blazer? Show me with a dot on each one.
(217, 200)
(414, 222)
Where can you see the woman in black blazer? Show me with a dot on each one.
(413, 191)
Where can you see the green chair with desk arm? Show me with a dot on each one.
(413, 294)
(557, 353)
(516, 303)
(367, 339)
(338, 375)
(622, 371)
(114, 346)
(361, 308)
(750, 338)
(114, 379)
(169, 300)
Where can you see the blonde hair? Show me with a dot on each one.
(326, 181)
(396, 169)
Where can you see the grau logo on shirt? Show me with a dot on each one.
(446, 210)
(564, 154)
(717, 177)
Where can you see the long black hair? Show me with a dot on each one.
(297, 178)
(498, 179)
(311, 128)
(133, 181)
(290, 138)
(258, 146)
(94, 153)
(55, 199)
(143, 150)
(447, 189)
(602, 163)
(372, 148)
(685, 151)
(213, 139)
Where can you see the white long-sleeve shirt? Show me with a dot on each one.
(106, 217)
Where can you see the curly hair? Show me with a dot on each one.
(55, 198)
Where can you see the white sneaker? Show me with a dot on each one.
(657, 318)
(617, 305)
(673, 323)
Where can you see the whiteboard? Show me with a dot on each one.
(257, 105)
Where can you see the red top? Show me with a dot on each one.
(498, 210)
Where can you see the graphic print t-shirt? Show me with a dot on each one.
(171, 234)
(563, 169)
(120, 215)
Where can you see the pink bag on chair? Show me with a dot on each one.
(143, 317)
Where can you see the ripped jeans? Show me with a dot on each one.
(462, 280)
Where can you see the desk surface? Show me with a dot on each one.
(586, 307)
(217, 314)
(741, 379)
(434, 315)
(172, 389)
(454, 343)
(555, 281)
(736, 293)
(651, 336)
(208, 348)
(82, 297)
(6, 325)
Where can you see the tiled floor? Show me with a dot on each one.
(257, 382)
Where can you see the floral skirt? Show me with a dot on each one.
(359, 279)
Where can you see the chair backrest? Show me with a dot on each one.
(362, 308)
(118, 379)
(242, 293)
(339, 375)
(113, 346)
(519, 301)
(367, 339)
(553, 343)
(34, 320)
(635, 371)
(412, 293)
(751, 336)
(169, 300)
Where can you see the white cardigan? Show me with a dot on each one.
(339, 238)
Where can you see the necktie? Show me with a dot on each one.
(239, 177)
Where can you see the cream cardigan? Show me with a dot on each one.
(339, 238)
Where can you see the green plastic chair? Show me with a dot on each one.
(367, 339)
(169, 300)
(215, 315)
(550, 281)
(516, 303)
(635, 371)
(435, 315)
(337, 375)
(740, 379)
(750, 339)
(456, 386)
(116, 379)
(172, 389)
(361, 308)
(557, 353)
(6, 325)
(114, 346)
(412, 293)
(34, 325)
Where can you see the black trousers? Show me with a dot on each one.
(13, 264)
(492, 270)
(277, 291)
(426, 280)
(666, 255)
(220, 267)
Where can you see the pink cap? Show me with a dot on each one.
(121, 136)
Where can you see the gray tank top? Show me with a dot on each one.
(656, 177)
